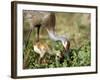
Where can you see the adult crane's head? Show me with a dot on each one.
(64, 40)
(65, 43)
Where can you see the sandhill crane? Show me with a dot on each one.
(38, 19)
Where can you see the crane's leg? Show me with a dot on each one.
(40, 60)
(38, 31)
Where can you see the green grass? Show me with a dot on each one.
(76, 26)
(77, 57)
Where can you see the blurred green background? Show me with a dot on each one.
(77, 28)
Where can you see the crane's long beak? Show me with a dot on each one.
(67, 50)
(66, 45)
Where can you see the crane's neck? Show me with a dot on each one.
(55, 37)
(65, 41)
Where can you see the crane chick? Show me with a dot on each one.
(41, 48)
